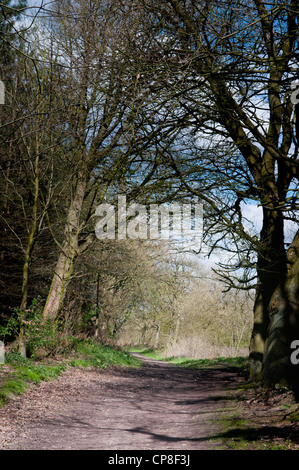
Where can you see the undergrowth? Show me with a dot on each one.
(199, 363)
(18, 373)
(89, 353)
(49, 350)
(238, 361)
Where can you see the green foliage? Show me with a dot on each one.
(85, 353)
(11, 327)
(41, 336)
(293, 414)
(238, 361)
(10, 12)
(27, 368)
(44, 338)
(219, 361)
(149, 352)
(89, 353)
(25, 372)
(11, 388)
(87, 321)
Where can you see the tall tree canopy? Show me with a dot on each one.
(228, 68)
(169, 100)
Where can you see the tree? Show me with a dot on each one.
(39, 157)
(10, 12)
(102, 97)
(10, 41)
(157, 285)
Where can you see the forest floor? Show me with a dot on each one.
(157, 406)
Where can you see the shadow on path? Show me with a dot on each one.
(156, 406)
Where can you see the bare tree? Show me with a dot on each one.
(231, 66)
(102, 94)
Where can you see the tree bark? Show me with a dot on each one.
(68, 255)
(284, 327)
(157, 336)
(28, 253)
(271, 270)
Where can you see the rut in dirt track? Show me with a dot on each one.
(158, 406)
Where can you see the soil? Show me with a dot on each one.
(158, 406)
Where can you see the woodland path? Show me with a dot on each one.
(158, 406)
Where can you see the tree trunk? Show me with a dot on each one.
(97, 307)
(271, 268)
(28, 253)
(157, 336)
(22, 337)
(177, 329)
(60, 279)
(68, 255)
(284, 327)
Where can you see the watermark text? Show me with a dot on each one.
(2, 352)
(176, 222)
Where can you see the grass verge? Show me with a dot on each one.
(238, 361)
(202, 363)
(18, 373)
(247, 431)
(92, 354)
(250, 420)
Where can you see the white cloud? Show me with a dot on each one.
(253, 217)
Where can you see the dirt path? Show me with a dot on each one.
(155, 407)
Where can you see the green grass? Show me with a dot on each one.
(148, 352)
(235, 431)
(92, 354)
(22, 373)
(238, 433)
(201, 363)
(189, 362)
(18, 373)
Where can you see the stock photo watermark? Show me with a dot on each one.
(295, 94)
(176, 222)
(2, 92)
(295, 354)
(2, 352)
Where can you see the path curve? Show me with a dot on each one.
(158, 406)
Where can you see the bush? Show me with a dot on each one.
(44, 338)
(10, 327)
(89, 353)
